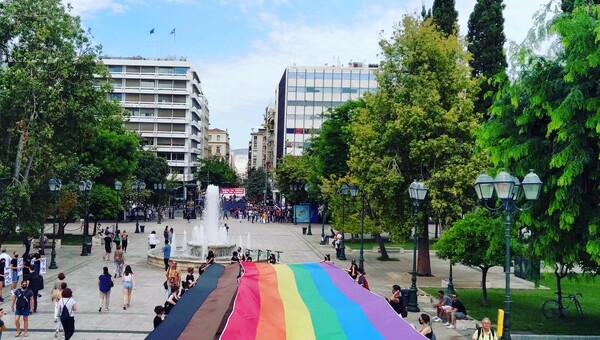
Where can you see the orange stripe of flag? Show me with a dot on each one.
(272, 315)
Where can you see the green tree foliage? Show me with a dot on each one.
(475, 241)
(548, 119)
(445, 16)
(486, 44)
(568, 5)
(217, 172)
(330, 147)
(256, 182)
(294, 170)
(50, 109)
(151, 168)
(420, 125)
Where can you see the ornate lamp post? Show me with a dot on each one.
(417, 192)
(295, 187)
(308, 187)
(353, 192)
(158, 187)
(85, 187)
(137, 186)
(118, 187)
(507, 190)
(450, 288)
(54, 184)
(344, 191)
(322, 210)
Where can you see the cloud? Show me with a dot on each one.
(88, 8)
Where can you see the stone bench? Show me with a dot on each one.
(389, 250)
(468, 323)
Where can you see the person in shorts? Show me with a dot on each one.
(456, 312)
(25, 294)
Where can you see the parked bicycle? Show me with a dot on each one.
(554, 308)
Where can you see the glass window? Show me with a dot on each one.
(292, 75)
(179, 84)
(355, 76)
(147, 98)
(179, 99)
(328, 76)
(218, 138)
(164, 113)
(116, 83)
(147, 112)
(178, 113)
(132, 83)
(147, 83)
(165, 70)
(115, 69)
(148, 70)
(179, 127)
(178, 142)
(115, 96)
(165, 98)
(337, 76)
(133, 69)
(300, 75)
(180, 70)
(318, 75)
(132, 97)
(346, 76)
(165, 84)
(147, 127)
(164, 127)
(364, 76)
(292, 89)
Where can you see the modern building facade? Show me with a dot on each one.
(257, 147)
(304, 93)
(167, 108)
(218, 143)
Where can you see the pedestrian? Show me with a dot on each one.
(486, 332)
(160, 314)
(2, 266)
(397, 302)
(117, 239)
(128, 286)
(152, 239)
(171, 233)
(23, 301)
(107, 245)
(189, 278)
(105, 283)
(444, 303)
(362, 280)
(457, 311)
(353, 270)
(14, 270)
(425, 327)
(61, 278)
(119, 261)
(166, 254)
(55, 296)
(124, 240)
(2, 325)
(27, 242)
(173, 277)
(166, 233)
(67, 307)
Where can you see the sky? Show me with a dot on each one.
(240, 48)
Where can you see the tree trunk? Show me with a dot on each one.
(423, 261)
(484, 295)
(384, 254)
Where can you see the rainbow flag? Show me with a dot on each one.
(309, 301)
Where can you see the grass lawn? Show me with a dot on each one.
(526, 306)
(369, 244)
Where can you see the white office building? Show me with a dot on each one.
(167, 108)
(305, 92)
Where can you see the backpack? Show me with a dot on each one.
(479, 331)
(22, 302)
(64, 314)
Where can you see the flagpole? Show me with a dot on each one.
(153, 39)
(174, 33)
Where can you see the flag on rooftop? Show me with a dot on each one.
(152, 31)
(173, 31)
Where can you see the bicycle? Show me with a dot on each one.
(554, 308)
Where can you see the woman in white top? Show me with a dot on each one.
(68, 301)
(128, 285)
(152, 239)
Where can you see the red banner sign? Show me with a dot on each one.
(227, 192)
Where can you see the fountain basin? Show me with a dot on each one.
(154, 257)
(221, 251)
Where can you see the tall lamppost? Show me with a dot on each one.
(417, 192)
(295, 187)
(322, 210)
(450, 288)
(308, 187)
(85, 187)
(54, 184)
(137, 186)
(344, 191)
(158, 187)
(353, 192)
(118, 187)
(507, 190)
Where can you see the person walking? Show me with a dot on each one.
(107, 245)
(55, 296)
(128, 286)
(23, 301)
(124, 240)
(67, 318)
(14, 270)
(119, 261)
(117, 239)
(105, 283)
(152, 239)
(166, 254)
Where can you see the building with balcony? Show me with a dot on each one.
(257, 155)
(166, 107)
(304, 93)
(218, 143)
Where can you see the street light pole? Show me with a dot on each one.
(450, 288)
(54, 184)
(159, 187)
(85, 187)
(507, 190)
(324, 208)
(353, 192)
(137, 186)
(118, 186)
(417, 192)
(344, 191)
(307, 188)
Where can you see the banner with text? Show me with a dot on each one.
(235, 193)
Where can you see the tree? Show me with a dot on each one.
(548, 119)
(217, 172)
(50, 105)
(445, 16)
(294, 170)
(420, 125)
(255, 185)
(476, 241)
(486, 43)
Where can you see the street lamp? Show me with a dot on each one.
(85, 187)
(137, 186)
(417, 192)
(507, 190)
(353, 192)
(322, 210)
(118, 187)
(158, 187)
(54, 184)
(307, 188)
(344, 191)
(295, 187)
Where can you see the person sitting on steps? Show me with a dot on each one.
(457, 311)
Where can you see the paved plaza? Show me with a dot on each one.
(136, 322)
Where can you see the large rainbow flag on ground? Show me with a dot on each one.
(309, 301)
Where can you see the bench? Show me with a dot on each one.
(468, 323)
(389, 249)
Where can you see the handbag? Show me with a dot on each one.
(111, 283)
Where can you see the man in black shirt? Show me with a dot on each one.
(159, 310)
(457, 311)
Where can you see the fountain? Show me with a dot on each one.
(211, 234)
